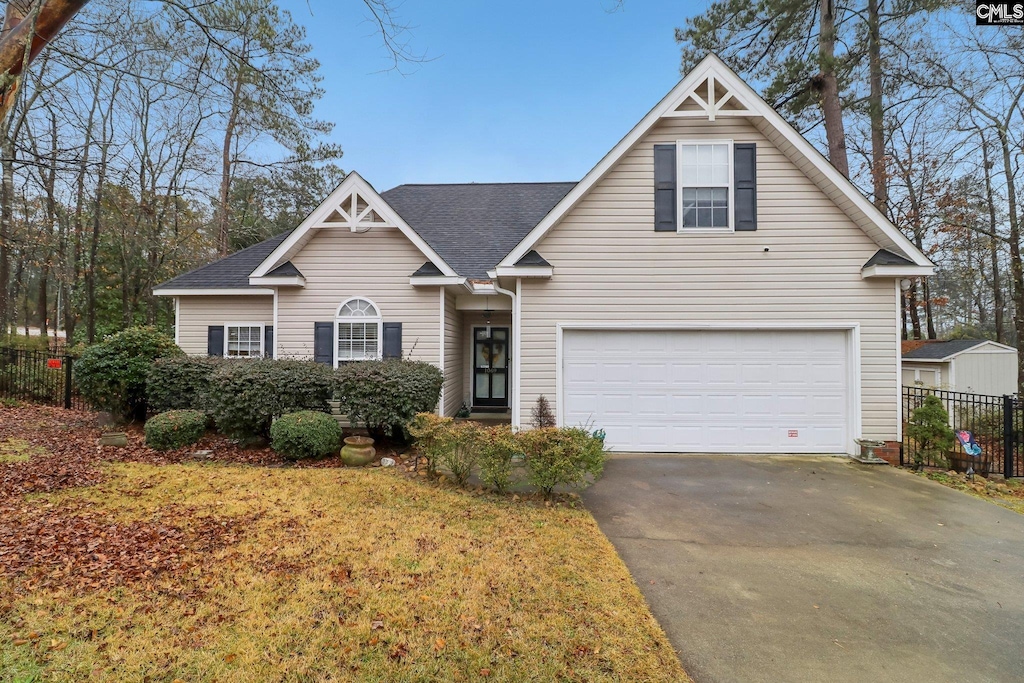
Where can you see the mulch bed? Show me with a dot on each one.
(72, 544)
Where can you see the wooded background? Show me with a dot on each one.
(152, 135)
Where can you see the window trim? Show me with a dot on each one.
(227, 339)
(379, 319)
(731, 188)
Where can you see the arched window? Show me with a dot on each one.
(357, 331)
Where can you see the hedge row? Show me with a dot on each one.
(244, 397)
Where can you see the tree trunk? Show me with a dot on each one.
(915, 314)
(1016, 269)
(929, 320)
(875, 109)
(223, 208)
(828, 89)
(43, 300)
(998, 303)
(6, 226)
(903, 314)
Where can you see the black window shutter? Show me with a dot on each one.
(665, 188)
(392, 340)
(745, 193)
(323, 343)
(215, 340)
(268, 341)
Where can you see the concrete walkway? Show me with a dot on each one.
(818, 569)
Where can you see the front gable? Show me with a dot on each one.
(713, 103)
(353, 206)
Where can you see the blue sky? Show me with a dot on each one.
(531, 90)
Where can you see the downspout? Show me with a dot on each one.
(273, 351)
(515, 346)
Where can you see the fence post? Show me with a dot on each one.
(1008, 436)
(67, 382)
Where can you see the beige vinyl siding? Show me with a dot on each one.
(197, 313)
(339, 264)
(611, 266)
(453, 372)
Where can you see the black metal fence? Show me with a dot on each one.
(996, 422)
(38, 376)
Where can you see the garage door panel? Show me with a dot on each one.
(709, 390)
(720, 373)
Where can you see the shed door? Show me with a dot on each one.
(706, 391)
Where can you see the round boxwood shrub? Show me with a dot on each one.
(111, 375)
(383, 395)
(180, 383)
(175, 429)
(305, 434)
(246, 395)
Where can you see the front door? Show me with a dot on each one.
(490, 367)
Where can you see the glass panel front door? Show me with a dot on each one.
(490, 367)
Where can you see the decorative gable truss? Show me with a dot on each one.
(709, 98)
(354, 212)
(713, 90)
(355, 206)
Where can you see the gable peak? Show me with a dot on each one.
(709, 91)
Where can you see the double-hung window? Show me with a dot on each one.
(358, 331)
(705, 185)
(244, 341)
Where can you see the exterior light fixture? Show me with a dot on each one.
(487, 310)
(905, 284)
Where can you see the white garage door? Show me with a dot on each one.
(678, 391)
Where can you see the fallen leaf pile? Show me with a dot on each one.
(72, 544)
(78, 548)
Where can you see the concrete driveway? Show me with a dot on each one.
(818, 569)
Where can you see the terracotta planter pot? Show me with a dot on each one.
(358, 451)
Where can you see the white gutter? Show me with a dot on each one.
(516, 327)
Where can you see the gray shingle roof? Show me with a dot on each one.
(532, 258)
(883, 257)
(285, 269)
(229, 272)
(940, 350)
(473, 226)
(428, 269)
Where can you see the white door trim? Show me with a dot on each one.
(854, 419)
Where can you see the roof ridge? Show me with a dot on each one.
(526, 182)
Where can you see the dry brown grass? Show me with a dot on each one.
(1008, 494)
(341, 575)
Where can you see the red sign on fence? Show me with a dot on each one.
(54, 363)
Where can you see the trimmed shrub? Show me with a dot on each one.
(561, 456)
(246, 395)
(929, 427)
(429, 431)
(175, 429)
(180, 383)
(305, 434)
(111, 375)
(497, 447)
(385, 395)
(461, 450)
